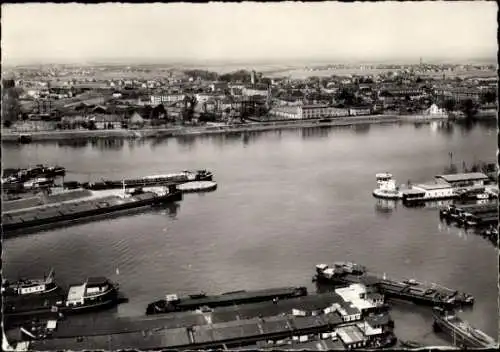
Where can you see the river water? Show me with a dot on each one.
(286, 201)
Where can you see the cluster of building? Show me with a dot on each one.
(68, 96)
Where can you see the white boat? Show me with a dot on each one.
(386, 187)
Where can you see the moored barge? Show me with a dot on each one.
(175, 178)
(25, 219)
(28, 287)
(461, 333)
(24, 175)
(94, 294)
(172, 303)
(454, 212)
(346, 273)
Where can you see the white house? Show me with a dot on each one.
(436, 111)
(357, 296)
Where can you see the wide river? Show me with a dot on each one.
(286, 201)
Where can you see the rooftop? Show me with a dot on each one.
(98, 280)
(472, 176)
(350, 334)
(433, 186)
(352, 294)
(76, 292)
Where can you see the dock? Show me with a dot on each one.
(237, 332)
(90, 326)
(197, 331)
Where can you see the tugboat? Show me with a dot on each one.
(26, 287)
(387, 188)
(95, 293)
(346, 273)
(461, 332)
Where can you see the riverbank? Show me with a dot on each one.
(14, 136)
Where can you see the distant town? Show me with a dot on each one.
(63, 97)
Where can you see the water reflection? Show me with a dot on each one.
(73, 143)
(132, 143)
(361, 128)
(187, 141)
(385, 206)
(314, 132)
(445, 127)
(171, 210)
(107, 143)
(253, 136)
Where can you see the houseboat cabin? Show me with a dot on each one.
(472, 179)
(95, 292)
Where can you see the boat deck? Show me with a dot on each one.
(236, 296)
(51, 211)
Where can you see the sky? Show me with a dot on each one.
(247, 32)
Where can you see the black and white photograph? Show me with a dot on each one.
(249, 176)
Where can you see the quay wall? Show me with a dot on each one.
(10, 136)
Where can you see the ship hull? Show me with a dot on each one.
(455, 336)
(68, 217)
(228, 299)
(144, 182)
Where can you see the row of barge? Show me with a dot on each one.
(15, 181)
(88, 201)
(471, 215)
(265, 318)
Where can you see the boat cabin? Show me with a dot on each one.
(411, 195)
(384, 179)
(172, 298)
(94, 289)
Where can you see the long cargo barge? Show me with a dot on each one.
(460, 332)
(346, 273)
(13, 222)
(175, 178)
(172, 303)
